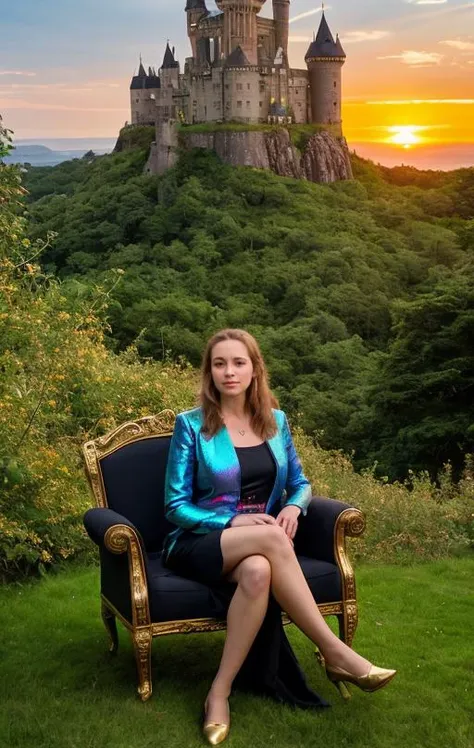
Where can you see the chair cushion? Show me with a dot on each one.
(174, 598)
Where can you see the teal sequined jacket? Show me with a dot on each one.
(202, 485)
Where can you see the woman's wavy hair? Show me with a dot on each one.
(259, 401)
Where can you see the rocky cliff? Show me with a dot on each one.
(323, 157)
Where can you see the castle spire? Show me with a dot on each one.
(141, 69)
(168, 59)
(324, 44)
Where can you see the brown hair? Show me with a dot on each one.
(259, 398)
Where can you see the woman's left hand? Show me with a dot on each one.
(288, 520)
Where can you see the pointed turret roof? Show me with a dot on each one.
(168, 59)
(339, 47)
(139, 80)
(142, 80)
(324, 44)
(237, 58)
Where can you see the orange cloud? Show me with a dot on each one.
(412, 57)
(459, 44)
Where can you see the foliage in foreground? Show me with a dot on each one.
(59, 386)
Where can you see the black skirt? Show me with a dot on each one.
(197, 556)
(271, 667)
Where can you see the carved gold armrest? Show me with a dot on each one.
(350, 523)
(120, 539)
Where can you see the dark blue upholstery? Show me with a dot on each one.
(134, 478)
(174, 598)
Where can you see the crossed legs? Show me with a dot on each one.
(261, 558)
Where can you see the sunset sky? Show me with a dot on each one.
(65, 66)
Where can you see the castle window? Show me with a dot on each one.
(296, 91)
(260, 103)
(335, 84)
(239, 87)
(248, 104)
(239, 105)
(262, 86)
(248, 86)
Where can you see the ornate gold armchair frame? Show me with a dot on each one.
(121, 538)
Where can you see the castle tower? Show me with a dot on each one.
(169, 71)
(325, 58)
(281, 16)
(240, 26)
(144, 90)
(195, 9)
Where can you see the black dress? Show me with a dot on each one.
(271, 667)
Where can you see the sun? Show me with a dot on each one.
(404, 135)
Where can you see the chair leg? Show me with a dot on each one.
(348, 623)
(110, 624)
(142, 639)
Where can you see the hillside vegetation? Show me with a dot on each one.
(361, 292)
(63, 383)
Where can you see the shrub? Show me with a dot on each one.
(412, 521)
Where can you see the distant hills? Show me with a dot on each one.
(50, 152)
(447, 156)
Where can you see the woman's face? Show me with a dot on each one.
(231, 367)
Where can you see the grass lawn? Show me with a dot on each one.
(59, 687)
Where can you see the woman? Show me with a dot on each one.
(231, 462)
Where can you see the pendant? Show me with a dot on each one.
(242, 432)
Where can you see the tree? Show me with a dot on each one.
(423, 399)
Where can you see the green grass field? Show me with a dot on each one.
(59, 687)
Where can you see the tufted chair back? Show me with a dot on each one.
(127, 470)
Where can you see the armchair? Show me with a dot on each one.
(126, 470)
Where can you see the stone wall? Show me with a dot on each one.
(143, 106)
(325, 91)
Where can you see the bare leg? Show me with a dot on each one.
(244, 618)
(290, 589)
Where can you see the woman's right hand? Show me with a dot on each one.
(240, 520)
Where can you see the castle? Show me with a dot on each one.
(239, 72)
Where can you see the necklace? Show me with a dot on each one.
(242, 432)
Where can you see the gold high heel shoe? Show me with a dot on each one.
(376, 678)
(215, 732)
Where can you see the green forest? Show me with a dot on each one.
(360, 294)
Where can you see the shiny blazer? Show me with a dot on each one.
(202, 484)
